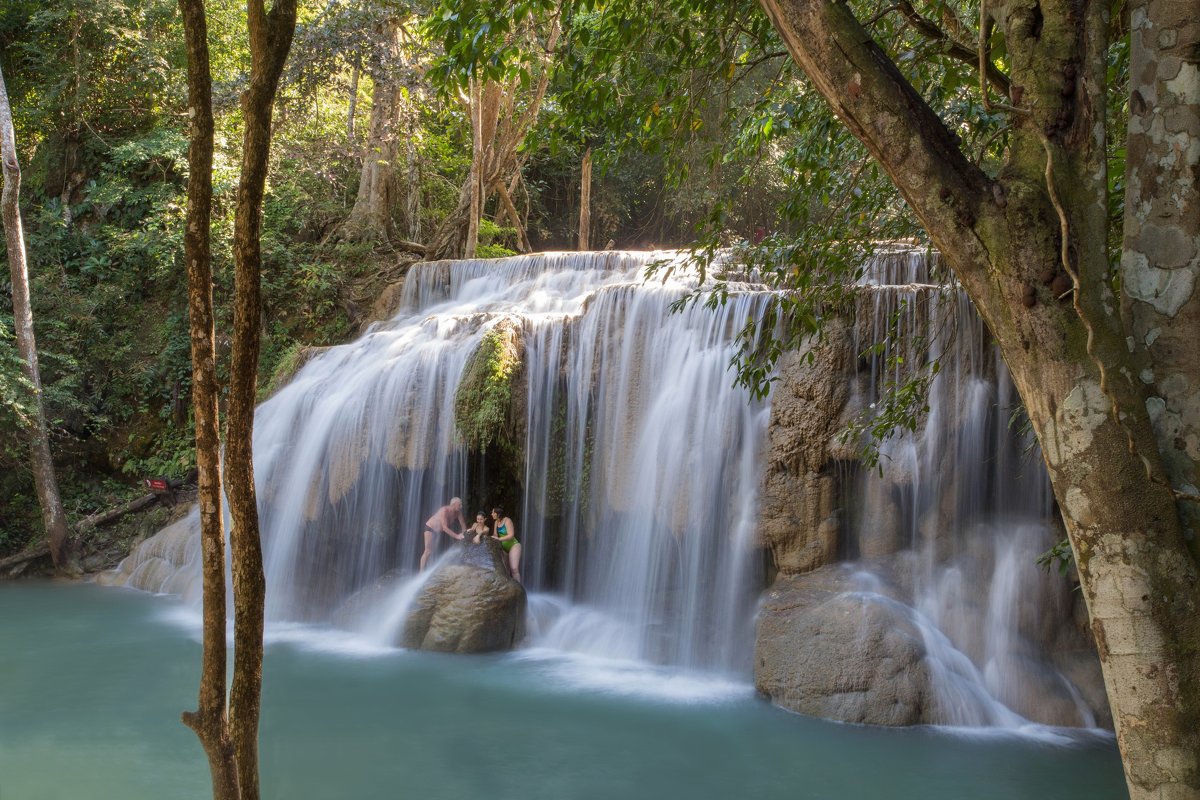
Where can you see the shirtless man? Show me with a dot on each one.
(440, 522)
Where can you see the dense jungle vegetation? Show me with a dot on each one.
(695, 138)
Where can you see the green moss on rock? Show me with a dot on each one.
(486, 411)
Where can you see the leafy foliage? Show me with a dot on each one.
(703, 134)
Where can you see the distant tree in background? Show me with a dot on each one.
(54, 519)
(502, 100)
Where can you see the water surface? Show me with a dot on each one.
(92, 682)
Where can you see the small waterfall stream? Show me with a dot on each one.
(637, 491)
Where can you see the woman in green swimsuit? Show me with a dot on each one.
(506, 533)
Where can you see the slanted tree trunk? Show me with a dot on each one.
(585, 199)
(371, 216)
(1029, 248)
(44, 480)
(270, 37)
(514, 216)
(209, 720)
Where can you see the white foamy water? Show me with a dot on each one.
(641, 467)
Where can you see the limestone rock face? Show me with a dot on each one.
(799, 488)
(470, 605)
(387, 304)
(167, 562)
(824, 649)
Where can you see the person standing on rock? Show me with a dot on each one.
(442, 522)
(506, 533)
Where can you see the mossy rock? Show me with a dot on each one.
(489, 405)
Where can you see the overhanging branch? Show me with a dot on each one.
(950, 195)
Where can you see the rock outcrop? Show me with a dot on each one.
(799, 504)
(469, 605)
(168, 562)
(489, 404)
(826, 649)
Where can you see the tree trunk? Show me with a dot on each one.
(1029, 249)
(513, 215)
(1161, 259)
(585, 199)
(270, 37)
(412, 185)
(46, 484)
(353, 109)
(371, 216)
(475, 209)
(502, 130)
(209, 721)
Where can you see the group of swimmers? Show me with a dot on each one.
(501, 527)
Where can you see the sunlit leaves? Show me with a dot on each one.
(491, 40)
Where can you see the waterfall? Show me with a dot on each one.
(644, 457)
(640, 470)
(960, 508)
(636, 483)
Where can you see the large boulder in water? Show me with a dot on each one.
(469, 605)
(829, 649)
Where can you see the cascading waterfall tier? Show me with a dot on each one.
(636, 499)
(645, 484)
(942, 529)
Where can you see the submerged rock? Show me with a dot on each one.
(830, 651)
(469, 605)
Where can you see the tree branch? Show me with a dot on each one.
(881, 108)
(952, 47)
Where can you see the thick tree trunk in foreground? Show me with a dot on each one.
(585, 199)
(1161, 260)
(53, 517)
(270, 39)
(1029, 249)
(209, 720)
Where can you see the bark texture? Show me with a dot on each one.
(209, 720)
(45, 483)
(1029, 249)
(585, 199)
(371, 215)
(270, 36)
(1161, 260)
